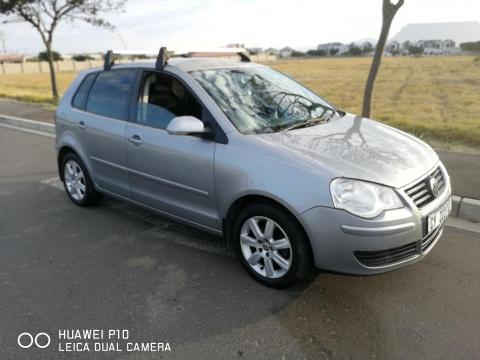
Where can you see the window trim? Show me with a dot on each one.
(217, 133)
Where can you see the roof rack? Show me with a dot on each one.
(242, 53)
(112, 55)
(164, 54)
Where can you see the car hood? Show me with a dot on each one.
(359, 148)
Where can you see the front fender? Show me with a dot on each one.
(240, 172)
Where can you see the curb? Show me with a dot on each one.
(462, 208)
(12, 121)
(466, 209)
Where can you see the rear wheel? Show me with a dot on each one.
(272, 246)
(77, 182)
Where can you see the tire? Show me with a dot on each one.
(272, 262)
(77, 182)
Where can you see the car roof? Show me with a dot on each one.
(192, 64)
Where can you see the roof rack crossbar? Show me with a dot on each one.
(220, 52)
(111, 56)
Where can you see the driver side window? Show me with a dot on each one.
(162, 98)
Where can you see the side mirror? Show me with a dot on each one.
(185, 125)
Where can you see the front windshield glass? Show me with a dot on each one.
(260, 100)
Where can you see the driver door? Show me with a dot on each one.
(173, 174)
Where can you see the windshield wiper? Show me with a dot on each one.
(307, 123)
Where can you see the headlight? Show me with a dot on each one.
(362, 198)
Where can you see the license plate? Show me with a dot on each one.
(438, 217)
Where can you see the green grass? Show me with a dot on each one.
(436, 98)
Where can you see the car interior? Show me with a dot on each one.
(162, 98)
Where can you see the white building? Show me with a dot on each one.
(437, 47)
(271, 51)
(334, 48)
(285, 52)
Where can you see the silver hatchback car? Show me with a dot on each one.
(243, 151)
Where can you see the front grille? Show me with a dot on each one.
(421, 193)
(428, 240)
(386, 257)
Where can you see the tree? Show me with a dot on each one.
(334, 51)
(43, 56)
(470, 46)
(45, 15)
(81, 57)
(388, 11)
(354, 50)
(314, 52)
(367, 47)
(416, 50)
(2, 40)
(296, 53)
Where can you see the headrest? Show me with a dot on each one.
(158, 88)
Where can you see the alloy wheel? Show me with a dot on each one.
(75, 180)
(266, 247)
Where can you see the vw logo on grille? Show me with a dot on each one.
(433, 186)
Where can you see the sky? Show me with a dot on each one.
(200, 24)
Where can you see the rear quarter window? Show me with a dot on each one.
(111, 92)
(80, 98)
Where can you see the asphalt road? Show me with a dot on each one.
(119, 267)
(26, 110)
(464, 171)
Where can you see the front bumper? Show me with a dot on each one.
(346, 243)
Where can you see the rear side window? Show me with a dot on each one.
(80, 98)
(110, 94)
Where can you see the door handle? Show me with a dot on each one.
(81, 124)
(135, 140)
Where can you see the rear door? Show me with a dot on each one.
(171, 173)
(103, 124)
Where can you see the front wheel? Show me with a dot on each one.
(272, 246)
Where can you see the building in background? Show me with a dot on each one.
(285, 52)
(333, 48)
(12, 58)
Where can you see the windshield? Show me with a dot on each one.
(259, 100)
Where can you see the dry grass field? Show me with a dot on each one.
(433, 97)
(437, 98)
(32, 87)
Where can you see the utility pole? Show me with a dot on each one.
(2, 40)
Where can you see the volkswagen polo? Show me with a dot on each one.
(245, 152)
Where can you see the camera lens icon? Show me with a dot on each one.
(26, 340)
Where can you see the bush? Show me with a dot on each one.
(477, 59)
(355, 50)
(471, 46)
(334, 52)
(42, 56)
(297, 53)
(81, 57)
(416, 50)
(316, 53)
